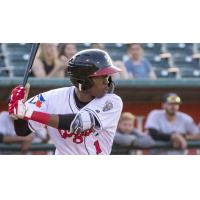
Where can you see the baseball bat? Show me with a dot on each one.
(33, 52)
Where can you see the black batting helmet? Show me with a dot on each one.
(87, 64)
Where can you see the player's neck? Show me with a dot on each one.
(83, 96)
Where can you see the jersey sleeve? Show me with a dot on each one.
(38, 103)
(107, 111)
(152, 121)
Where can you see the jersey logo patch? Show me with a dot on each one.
(40, 101)
(108, 106)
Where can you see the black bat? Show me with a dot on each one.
(34, 49)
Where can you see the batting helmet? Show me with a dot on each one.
(87, 64)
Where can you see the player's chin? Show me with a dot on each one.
(101, 94)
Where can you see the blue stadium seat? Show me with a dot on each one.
(19, 71)
(190, 73)
(18, 47)
(183, 61)
(82, 46)
(180, 48)
(116, 47)
(18, 60)
(164, 73)
(116, 50)
(3, 74)
(157, 61)
(155, 48)
(2, 57)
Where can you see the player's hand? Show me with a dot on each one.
(16, 106)
(178, 141)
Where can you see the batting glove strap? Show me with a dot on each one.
(19, 110)
(84, 120)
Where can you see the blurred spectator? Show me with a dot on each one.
(123, 74)
(46, 63)
(138, 66)
(169, 124)
(127, 134)
(97, 46)
(8, 135)
(65, 52)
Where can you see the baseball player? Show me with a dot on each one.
(81, 119)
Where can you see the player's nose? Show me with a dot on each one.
(106, 80)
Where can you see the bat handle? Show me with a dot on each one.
(27, 88)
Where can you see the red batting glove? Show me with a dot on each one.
(17, 94)
(18, 109)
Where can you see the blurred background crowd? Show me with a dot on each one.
(138, 61)
(150, 61)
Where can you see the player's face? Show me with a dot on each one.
(126, 126)
(100, 87)
(171, 108)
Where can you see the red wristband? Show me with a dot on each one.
(40, 117)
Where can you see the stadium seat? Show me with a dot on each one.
(82, 46)
(3, 74)
(116, 47)
(157, 61)
(17, 54)
(179, 48)
(160, 73)
(166, 73)
(183, 61)
(116, 50)
(19, 71)
(190, 73)
(2, 57)
(18, 47)
(155, 48)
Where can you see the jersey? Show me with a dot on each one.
(106, 110)
(7, 128)
(182, 125)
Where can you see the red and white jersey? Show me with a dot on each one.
(106, 110)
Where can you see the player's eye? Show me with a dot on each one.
(104, 78)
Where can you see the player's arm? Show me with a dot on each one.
(17, 108)
(82, 120)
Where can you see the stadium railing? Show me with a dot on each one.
(116, 150)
